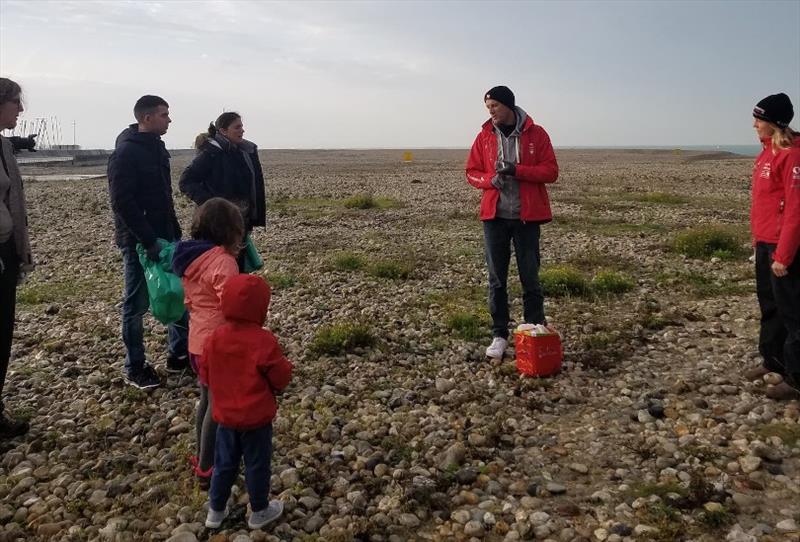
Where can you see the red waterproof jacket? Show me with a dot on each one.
(775, 212)
(536, 166)
(242, 362)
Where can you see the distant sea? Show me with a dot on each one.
(744, 150)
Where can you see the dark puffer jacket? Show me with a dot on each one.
(140, 189)
(221, 170)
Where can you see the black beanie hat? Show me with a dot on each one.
(775, 108)
(501, 94)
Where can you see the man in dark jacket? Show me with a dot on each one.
(140, 188)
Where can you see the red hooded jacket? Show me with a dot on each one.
(536, 166)
(242, 362)
(775, 212)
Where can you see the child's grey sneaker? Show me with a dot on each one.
(266, 516)
(214, 519)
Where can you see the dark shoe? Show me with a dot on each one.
(756, 373)
(10, 428)
(177, 364)
(144, 379)
(782, 392)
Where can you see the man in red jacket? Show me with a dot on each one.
(511, 161)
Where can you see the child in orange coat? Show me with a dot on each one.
(204, 264)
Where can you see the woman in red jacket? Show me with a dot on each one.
(775, 223)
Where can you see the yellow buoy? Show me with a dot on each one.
(408, 156)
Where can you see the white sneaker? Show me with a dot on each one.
(266, 516)
(214, 518)
(497, 348)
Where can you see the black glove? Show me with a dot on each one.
(19, 143)
(504, 167)
(153, 252)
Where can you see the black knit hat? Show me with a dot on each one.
(501, 94)
(775, 108)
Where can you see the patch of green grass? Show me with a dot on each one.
(716, 519)
(662, 490)
(661, 198)
(388, 269)
(611, 227)
(703, 453)
(279, 281)
(563, 280)
(133, 394)
(468, 326)
(49, 292)
(598, 341)
(665, 519)
(702, 286)
(789, 433)
(341, 338)
(367, 201)
(397, 449)
(347, 261)
(708, 241)
(592, 259)
(611, 282)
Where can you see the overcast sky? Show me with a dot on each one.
(403, 75)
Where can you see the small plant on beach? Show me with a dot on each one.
(387, 269)
(341, 338)
(279, 281)
(707, 242)
(468, 326)
(563, 280)
(347, 261)
(789, 433)
(611, 282)
(662, 198)
(360, 201)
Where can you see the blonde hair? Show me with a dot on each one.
(782, 138)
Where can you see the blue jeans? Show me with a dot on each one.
(134, 306)
(498, 235)
(256, 447)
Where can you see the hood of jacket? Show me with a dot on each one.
(220, 143)
(245, 298)
(186, 252)
(131, 134)
(524, 122)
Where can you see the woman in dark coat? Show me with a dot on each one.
(15, 249)
(227, 166)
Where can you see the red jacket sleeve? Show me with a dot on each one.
(790, 228)
(478, 175)
(545, 170)
(274, 365)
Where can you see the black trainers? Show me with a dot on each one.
(177, 364)
(144, 379)
(10, 428)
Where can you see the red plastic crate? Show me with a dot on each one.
(538, 355)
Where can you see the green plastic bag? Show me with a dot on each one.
(164, 288)
(252, 259)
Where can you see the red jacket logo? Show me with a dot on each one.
(765, 171)
(530, 148)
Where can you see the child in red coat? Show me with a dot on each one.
(244, 367)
